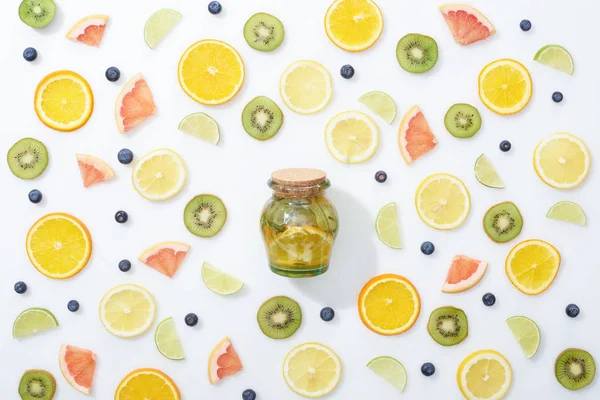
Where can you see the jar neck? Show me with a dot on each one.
(288, 191)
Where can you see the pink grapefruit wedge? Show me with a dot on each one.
(165, 257)
(78, 367)
(224, 361)
(134, 104)
(466, 23)
(415, 139)
(464, 273)
(89, 30)
(93, 170)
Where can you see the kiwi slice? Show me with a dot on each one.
(575, 369)
(279, 317)
(417, 53)
(503, 222)
(263, 32)
(205, 215)
(37, 385)
(448, 325)
(262, 118)
(27, 158)
(37, 13)
(462, 120)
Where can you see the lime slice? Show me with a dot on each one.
(557, 57)
(202, 126)
(218, 281)
(486, 173)
(159, 24)
(167, 341)
(381, 104)
(33, 320)
(567, 211)
(391, 370)
(527, 334)
(387, 226)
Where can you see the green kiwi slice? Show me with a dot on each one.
(575, 369)
(448, 325)
(417, 53)
(462, 120)
(37, 13)
(279, 317)
(262, 118)
(205, 215)
(263, 32)
(27, 158)
(503, 222)
(37, 385)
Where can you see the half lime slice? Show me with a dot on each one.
(557, 57)
(387, 226)
(389, 369)
(527, 334)
(219, 282)
(202, 126)
(32, 321)
(159, 24)
(381, 104)
(167, 341)
(567, 211)
(486, 173)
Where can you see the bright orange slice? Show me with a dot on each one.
(415, 138)
(165, 257)
(532, 266)
(93, 170)
(466, 23)
(223, 361)
(89, 30)
(147, 384)
(134, 105)
(78, 367)
(464, 273)
(505, 86)
(353, 25)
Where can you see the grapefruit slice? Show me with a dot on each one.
(466, 23)
(223, 361)
(88, 30)
(134, 104)
(165, 257)
(415, 139)
(464, 273)
(78, 367)
(93, 170)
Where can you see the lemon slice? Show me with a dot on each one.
(127, 310)
(159, 175)
(381, 104)
(351, 137)
(33, 320)
(387, 226)
(167, 341)
(486, 173)
(562, 161)
(442, 201)
(567, 211)
(159, 24)
(219, 282)
(201, 125)
(532, 265)
(353, 25)
(557, 57)
(306, 87)
(527, 334)
(484, 375)
(391, 370)
(505, 86)
(312, 370)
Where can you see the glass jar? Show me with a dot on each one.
(299, 224)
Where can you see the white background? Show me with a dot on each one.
(237, 170)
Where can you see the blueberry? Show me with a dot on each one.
(125, 156)
(327, 314)
(488, 299)
(30, 54)
(214, 7)
(572, 310)
(427, 248)
(121, 217)
(505, 146)
(191, 319)
(525, 25)
(428, 369)
(35, 196)
(112, 74)
(557, 97)
(249, 394)
(20, 287)
(380, 176)
(124, 265)
(73, 305)
(347, 71)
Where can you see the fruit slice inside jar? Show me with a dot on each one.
(304, 246)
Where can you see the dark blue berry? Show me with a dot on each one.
(427, 248)
(121, 217)
(249, 394)
(191, 319)
(505, 146)
(112, 74)
(327, 314)
(20, 287)
(572, 310)
(73, 305)
(347, 71)
(380, 176)
(525, 25)
(488, 299)
(214, 7)
(557, 97)
(124, 265)
(35, 196)
(428, 369)
(30, 54)
(125, 156)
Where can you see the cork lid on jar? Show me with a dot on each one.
(299, 177)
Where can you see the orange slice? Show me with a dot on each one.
(134, 104)
(89, 30)
(78, 367)
(147, 384)
(223, 361)
(165, 257)
(353, 25)
(532, 266)
(466, 23)
(93, 170)
(389, 304)
(464, 273)
(415, 139)
(505, 86)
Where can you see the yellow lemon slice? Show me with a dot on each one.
(351, 137)
(64, 101)
(127, 310)
(159, 175)
(443, 201)
(505, 86)
(306, 87)
(147, 383)
(532, 265)
(211, 72)
(562, 161)
(353, 25)
(312, 370)
(484, 375)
